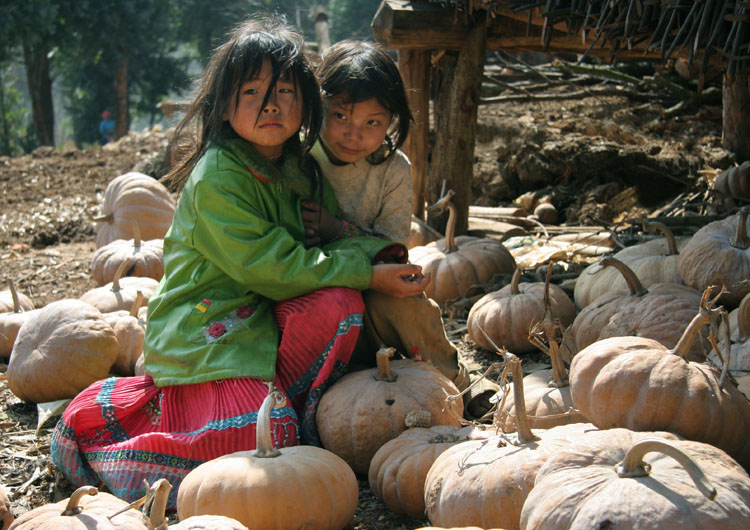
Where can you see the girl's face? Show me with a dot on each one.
(352, 131)
(266, 128)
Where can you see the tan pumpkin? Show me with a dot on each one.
(507, 315)
(739, 334)
(121, 292)
(459, 264)
(130, 332)
(655, 261)
(719, 254)
(208, 522)
(547, 398)
(12, 320)
(364, 409)
(291, 487)
(11, 301)
(651, 484)
(640, 384)
(398, 469)
(660, 312)
(60, 350)
(86, 509)
(6, 511)
(484, 482)
(734, 181)
(134, 197)
(421, 233)
(146, 258)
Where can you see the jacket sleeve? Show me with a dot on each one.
(394, 220)
(235, 232)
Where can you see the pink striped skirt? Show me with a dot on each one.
(120, 431)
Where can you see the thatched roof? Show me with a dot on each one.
(701, 30)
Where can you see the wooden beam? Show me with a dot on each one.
(401, 24)
(414, 66)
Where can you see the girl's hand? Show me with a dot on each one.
(399, 280)
(320, 226)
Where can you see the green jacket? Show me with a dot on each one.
(234, 247)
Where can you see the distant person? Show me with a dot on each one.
(107, 128)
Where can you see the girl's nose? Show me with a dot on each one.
(271, 105)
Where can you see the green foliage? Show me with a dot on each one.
(350, 19)
(15, 137)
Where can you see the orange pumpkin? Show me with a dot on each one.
(121, 292)
(146, 258)
(130, 332)
(11, 301)
(640, 384)
(11, 321)
(421, 233)
(459, 264)
(364, 409)
(734, 181)
(134, 197)
(649, 484)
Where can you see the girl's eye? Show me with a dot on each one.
(286, 90)
(374, 123)
(250, 91)
(339, 115)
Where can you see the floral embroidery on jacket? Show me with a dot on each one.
(217, 329)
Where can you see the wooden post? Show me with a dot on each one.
(453, 155)
(414, 66)
(736, 114)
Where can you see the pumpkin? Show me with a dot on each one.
(130, 332)
(208, 522)
(640, 384)
(6, 511)
(366, 408)
(507, 315)
(719, 254)
(269, 488)
(421, 233)
(739, 331)
(11, 301)
(459, 264)
(546, 393)
(121, 293)
(86, 509)
(734, 181)
(60, 350)
(12, 320)
(146, 258)
(398, 469)
(655, 261)
(650, 484)
(134, 197)
(660, 312)
(485, 482)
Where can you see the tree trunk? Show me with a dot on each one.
(40, 90)
(736, 119)
(322, 35)
(122, 116)
(456, 122)
(414, 66)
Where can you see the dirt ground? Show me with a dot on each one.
(582, 152)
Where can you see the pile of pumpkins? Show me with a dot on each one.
(636, 429)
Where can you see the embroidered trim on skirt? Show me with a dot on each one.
(120, 431)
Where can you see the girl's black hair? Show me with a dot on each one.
(360, 71)
(232, 64)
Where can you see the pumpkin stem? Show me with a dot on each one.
(264, 447)
(703, 317)
(383, 359)
(634, 466)
(514, 281)
(118, 273)
(548, 328)
(137, 303)
(522, 420)
(108, 218)
(136, 235)
(157, 497)
(634, 284)
(14, 296)
(450, 228)
(666, 232)
(72, 507)
(743, 318)
(740, 239)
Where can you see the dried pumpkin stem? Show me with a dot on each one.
(683, 345)
(559, 373)
(666, 232)
(137, 303)
(634, 466)
(14, 296)
(108, 218)
(740, 239)
(159, 497)
(73, 506)
(450, 229)
(515, 280)
(118, 274)
(383, 360)
(743, 319)
(264, 447)
(136, 235)
(522, 420)
(634, 284)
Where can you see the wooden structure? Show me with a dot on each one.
(422, 30)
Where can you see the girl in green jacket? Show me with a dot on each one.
(243, 305)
